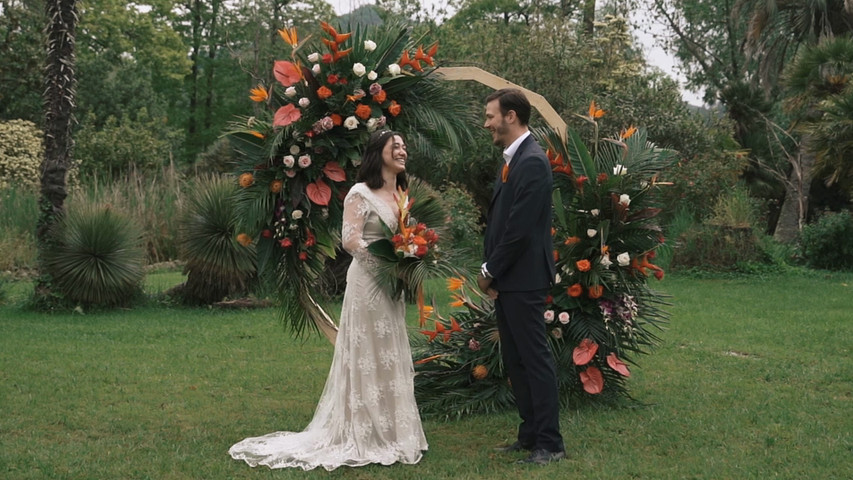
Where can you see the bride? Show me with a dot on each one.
(367, 412)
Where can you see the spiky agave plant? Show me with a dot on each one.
(217, 264)
(98, 256)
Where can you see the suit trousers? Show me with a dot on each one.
(530, 365)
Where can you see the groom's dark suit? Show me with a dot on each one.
(519, 257)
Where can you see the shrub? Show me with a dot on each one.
(217, 266)
(20, 153)
(18, 214)
(97, 257)
(828, 242)
(464, 226)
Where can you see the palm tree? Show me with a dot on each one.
(778, 27)
(819, 81)
(59, 81)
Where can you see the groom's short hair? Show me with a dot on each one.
(512, 99)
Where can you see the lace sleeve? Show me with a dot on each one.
(355, 214)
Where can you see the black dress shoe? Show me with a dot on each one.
(543, 457)
(515, 447)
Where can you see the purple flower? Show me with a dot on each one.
(374, 88)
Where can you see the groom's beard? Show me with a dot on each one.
(500, 134)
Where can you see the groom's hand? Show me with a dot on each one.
(484, 283)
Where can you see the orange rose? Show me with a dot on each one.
(379, 97)
(575, 290)
(479, 372)
(395, 108)
(246, 180)
(275, 186)
(362, 111)
(337, 120)
(583, 265)
(244, 240)
(596, 291)
(323, 93)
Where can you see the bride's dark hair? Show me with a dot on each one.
(370, 171)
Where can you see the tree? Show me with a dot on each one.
(21, 54)
(59, 104)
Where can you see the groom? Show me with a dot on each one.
(519, 270)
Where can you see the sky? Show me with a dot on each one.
(655, 55)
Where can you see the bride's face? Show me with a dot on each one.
(394, 155)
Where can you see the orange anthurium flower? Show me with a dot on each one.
(593, 381)
(583, 265)
(286, 115)
(323, 92)
(287, 73)
(318, 192)
(584, 352)
(289, 36)
(628, 132)
(618, 365)
(259, 94)
(455, 283)
(575, 290)
(334, 172)
(594, 111)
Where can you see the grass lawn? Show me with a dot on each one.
(754, 380)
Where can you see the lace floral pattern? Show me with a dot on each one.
(367, 411)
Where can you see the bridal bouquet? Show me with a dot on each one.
(410, 254)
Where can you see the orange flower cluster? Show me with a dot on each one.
(420, 56)
(334, 43)
(411, 241)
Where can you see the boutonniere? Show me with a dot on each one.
(504, 173)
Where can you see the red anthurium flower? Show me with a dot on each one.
(318, 192)
(334, 172)
(286, 115)
(592, 380)
(287, 73)
(584, 352)
(618, 365)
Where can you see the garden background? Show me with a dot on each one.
(756, 217)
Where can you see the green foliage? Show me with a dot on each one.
(97, 257)
(22, 56)
(464, 223)
(217, 266)
(125, 144)
(21, 154)
(828, 242)
(18, 213)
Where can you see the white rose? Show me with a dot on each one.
(316, 69)
(369, 45)
(564, 317)
(303, 102)
(590, 232)
(304, 161)
(605, 261)
(288, 161)
(294, 149)
(372, 124)
(394, 69)
(625, 199)
(558, 279)
(351, 123)
(314, 57)
(296, 215)
(624, 259)
(290, 92)
(594, 212)
(372, 75)
(619, 170)
(358, 69)
(290, 173)
(549, 316)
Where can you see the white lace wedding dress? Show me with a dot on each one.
(367, 412)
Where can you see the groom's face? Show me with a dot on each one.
(496, 123)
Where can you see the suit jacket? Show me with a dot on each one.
(518, 248)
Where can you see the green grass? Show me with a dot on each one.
(754, 380)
